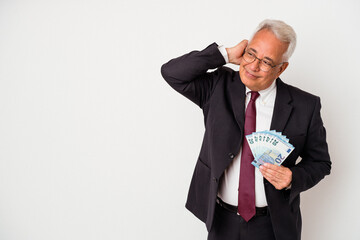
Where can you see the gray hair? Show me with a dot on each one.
(282, 31)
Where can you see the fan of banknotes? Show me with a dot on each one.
(269, 147)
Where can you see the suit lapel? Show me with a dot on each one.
(282, 108)
(237, 95)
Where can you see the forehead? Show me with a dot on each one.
(266, 45)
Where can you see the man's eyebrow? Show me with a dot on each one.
(253, 50)
(267, 58)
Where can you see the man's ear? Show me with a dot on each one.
(282, 68)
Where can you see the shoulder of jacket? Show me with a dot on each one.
(226, 72)
(298, 93)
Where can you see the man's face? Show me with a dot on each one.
(264, 45)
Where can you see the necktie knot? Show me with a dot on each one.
(254, 95)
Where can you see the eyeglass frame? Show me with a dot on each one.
(260, 61)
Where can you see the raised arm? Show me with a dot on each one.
(188, 74)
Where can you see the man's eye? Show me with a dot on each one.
(267, 63)
(250, 54)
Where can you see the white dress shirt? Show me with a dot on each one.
(229, 183)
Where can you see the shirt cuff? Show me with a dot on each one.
(224, 53)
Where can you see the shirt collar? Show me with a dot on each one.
(264, 94)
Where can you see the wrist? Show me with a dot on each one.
(224, 53)
(228, 51)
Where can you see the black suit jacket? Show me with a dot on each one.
(221, 96)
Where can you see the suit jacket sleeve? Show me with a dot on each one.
(315, 163)
(188, 74)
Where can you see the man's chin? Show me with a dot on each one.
(251, 84)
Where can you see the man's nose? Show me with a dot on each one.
(255, 65)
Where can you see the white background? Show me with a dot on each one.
(95, 145)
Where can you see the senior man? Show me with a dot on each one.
(235, 199)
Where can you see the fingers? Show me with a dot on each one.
(241, 47)
(241, 50)
(280, 177)
(235, 53)
(243, 44)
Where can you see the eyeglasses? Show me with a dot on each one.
(265, 65)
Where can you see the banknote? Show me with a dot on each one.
(269, 147)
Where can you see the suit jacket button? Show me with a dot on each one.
(215, 179)
(231, 155)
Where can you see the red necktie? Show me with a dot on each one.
(246, 199)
